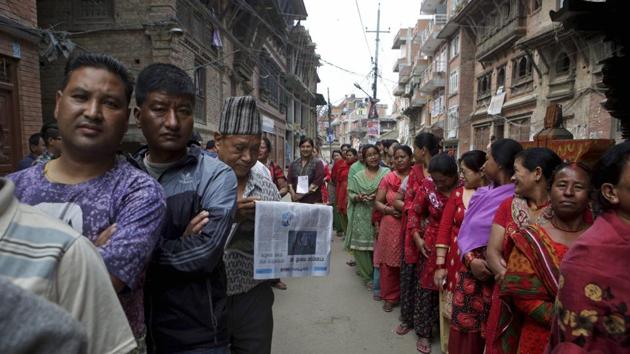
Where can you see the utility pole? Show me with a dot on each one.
(378, 32)
(330, 130)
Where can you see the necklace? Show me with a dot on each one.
(566, 230)
(537, 207)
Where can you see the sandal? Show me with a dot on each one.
(280, 285)
(351, 263)
(403, 329)
(388, 306)
(423, 346)
(376, 298)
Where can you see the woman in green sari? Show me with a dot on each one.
(361, 192)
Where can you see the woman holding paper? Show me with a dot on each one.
(362, 189)
(306, 175)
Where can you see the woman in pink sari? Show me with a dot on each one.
(387, 252)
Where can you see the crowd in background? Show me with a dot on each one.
(507, 251)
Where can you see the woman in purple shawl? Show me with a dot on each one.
(472, 294)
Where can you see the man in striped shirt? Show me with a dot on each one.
(47, 257)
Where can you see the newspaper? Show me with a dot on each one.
(292, 240)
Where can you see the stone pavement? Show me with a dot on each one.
(335, 314)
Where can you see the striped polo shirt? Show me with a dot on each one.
(49, 258)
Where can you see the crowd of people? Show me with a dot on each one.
(151, 252)
(507, 251)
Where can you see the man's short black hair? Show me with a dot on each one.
(33, 140)
(100, 61)
(49, 131)
(166, 78)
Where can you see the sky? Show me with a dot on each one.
(335, 27)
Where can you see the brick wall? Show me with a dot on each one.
(27, 85)
(23, 12)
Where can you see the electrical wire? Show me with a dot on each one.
(367, 43)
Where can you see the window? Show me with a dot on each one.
(501, 77)
(483, 86)
(535, 5)
(453, 82)
(452, 123)
(562, 64)
(437, 107)
(455, 46)
(440, 62)
(521, 69)
(506, 10)
(200, 93)
(93, 10)
(519, 129)
(481, 137)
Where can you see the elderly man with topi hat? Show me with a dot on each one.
(185, 289)
(250, 317)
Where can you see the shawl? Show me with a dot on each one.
(340, 176)
(314, 169)
(591, 309)
(360, 235)
(475, 229)
(531, 280)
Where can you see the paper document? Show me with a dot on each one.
(292, 240)
(302, 186)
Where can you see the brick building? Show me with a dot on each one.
(495, 66)
(228, 47)
(20, 104)
(350, 120)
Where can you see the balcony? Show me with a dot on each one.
(429, 39)
(404, 74)
(398, 63)
(504, 37)
(400, 38)
(429, 6)
(418, 101)
(399, 90)
(359, 128)
(419, 65)
(433, 78)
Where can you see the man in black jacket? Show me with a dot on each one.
(186, 283)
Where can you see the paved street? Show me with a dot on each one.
(335, 314)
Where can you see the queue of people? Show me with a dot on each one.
(507, 251)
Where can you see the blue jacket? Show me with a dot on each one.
(185, 291)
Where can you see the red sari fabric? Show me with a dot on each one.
(428, 207)
(528, 291)
(340, 176)
(512, 215)
(387, 250)
(452, 219)
(326, 180)
(591, 310)
(414, 181)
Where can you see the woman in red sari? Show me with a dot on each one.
(429, 204)
(425, 146)
(387, 251)
(591, 310)
(460, 338)
(532, 172)
(531, 280)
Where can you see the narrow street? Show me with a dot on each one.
(335, 314)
